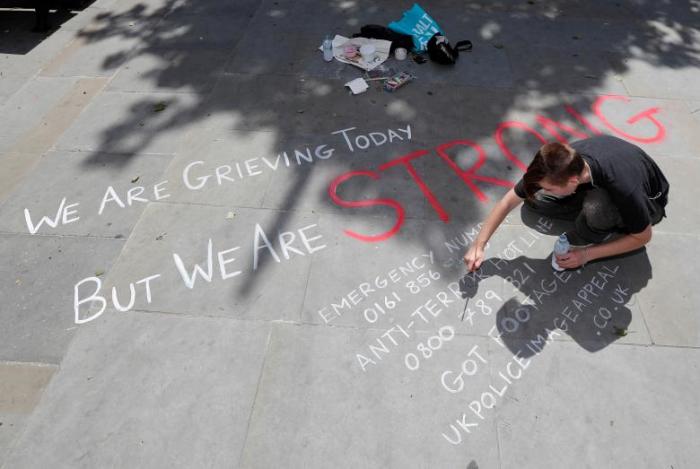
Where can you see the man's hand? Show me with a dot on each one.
(474, 257)
(572, 259)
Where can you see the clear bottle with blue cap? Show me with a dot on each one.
(562, 246)
(327, 49)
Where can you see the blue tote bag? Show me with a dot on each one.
(419, 25)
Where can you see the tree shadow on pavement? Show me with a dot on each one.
(254, 66)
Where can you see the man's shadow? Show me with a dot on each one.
(537, 304)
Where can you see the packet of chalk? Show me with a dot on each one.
(397, 81)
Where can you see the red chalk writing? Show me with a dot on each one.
(635, 128)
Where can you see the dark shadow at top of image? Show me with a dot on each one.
(24, 24)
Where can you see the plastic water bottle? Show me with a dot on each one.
(327, 49)
(562, 246)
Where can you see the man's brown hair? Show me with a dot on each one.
(556, 162)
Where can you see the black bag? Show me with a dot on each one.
(440, 50)
(375, 31)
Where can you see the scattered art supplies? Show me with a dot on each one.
(397, 81)
(361, 52)
(369, 54)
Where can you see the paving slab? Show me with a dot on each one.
(30, 140)
(13, 77)
(463, 113)
(212, 29)
(573, 70)
(667, 77)
(109, 33)
(388, 416)
(41, 137)
(193, 173)
(560, 9)
(693, 107)
(661, 127)
(264, 169)
(21, 387)
(670, 301)
(260, 103)
(359, 340)
(194, 383)
(309, 106)
(93, 57)
(383, 288)
(215, 7)
(85, 178)
(614, 408)
(170, 69)
(13, 425)
(670, 11)
(287, 52)
(556, 26)
(29, 104)
(15, 166)
(379, 177)
(121, 7)
(567, 33)
(130, 123)
(485, 65)
(239, 288)
(118, 16)
(38, 328)
(103, 38)
(341, 18)
(681, 174)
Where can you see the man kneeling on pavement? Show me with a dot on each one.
(611, 188)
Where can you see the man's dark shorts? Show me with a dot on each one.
(594, 214)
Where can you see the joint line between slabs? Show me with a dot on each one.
(255, 397)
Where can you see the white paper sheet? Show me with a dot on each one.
(357, 86)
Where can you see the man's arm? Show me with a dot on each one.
(627, 243)
(475, 254)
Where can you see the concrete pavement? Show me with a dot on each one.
(214, 256)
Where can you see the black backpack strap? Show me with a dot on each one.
(465, 45)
